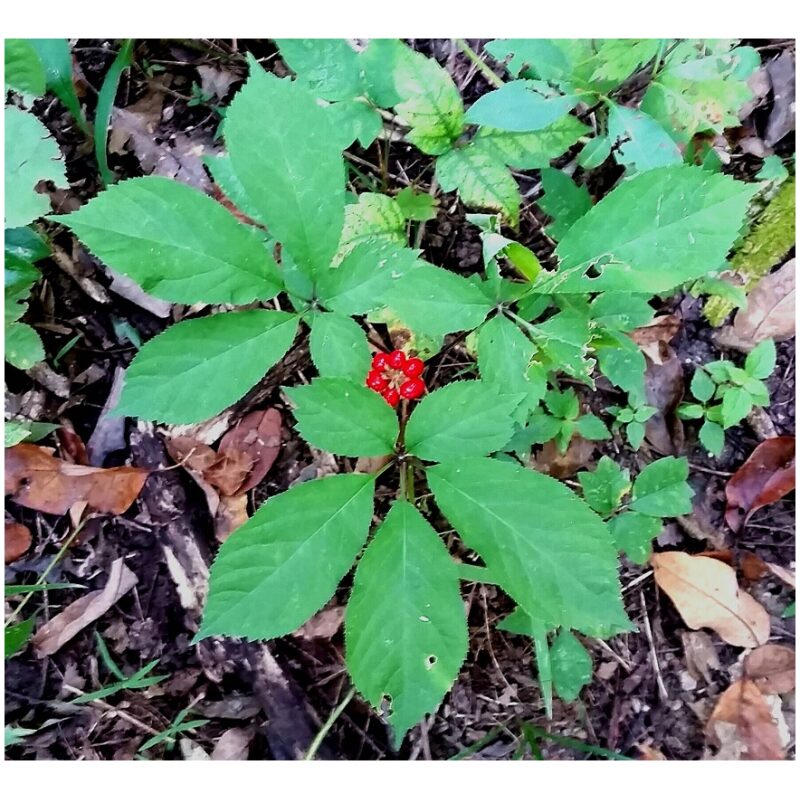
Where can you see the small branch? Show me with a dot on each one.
(490, 76)
(662, 689)
(325, 729)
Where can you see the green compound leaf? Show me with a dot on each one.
(661, 490)
(571, 665)
(24, 70)
(31, 156)
(200, 366)
(712, 437)
(736, 405)
(284, 563)
(702, 386)
(23, 346)
(222, 172)
(563, 200)
(339, 347)
(481, 178)
(520, 106)
(434, 301)
(543, 545)
(374, 217)
(378, 62)
(405, 626)
(633, 534)
(604, 488)
(564, 405)
(283, 151)
(465, 418)
(642, 143)
(344, 417)
(761, 361)
(176, 243)
(653, 232)
(328, 67)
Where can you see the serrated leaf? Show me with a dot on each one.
(661, 490)
(354, 120)
(339, 347)
(435, 301)
(564, 342)
(520, 106)
(702, 386)
(328, 67)
(24, 71)
(618, 58)
(176, 243)
(286, 561)
(405, 627)
(465, 418)
(200, 366)
(223, 175)
(634, 533)
(642, 143)
(284, 152)
(621, 311)
(604, 488)
(760, 362)
(571, 665)
(563, 200)
(23, 346)
(623, 363)
(653, 232)
(344, 417)
(31, 156)
(416, 206)
(373, 216)
(564, 405)
(736, 405)
(517, 520)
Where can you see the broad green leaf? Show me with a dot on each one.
(623, 363)
(200, 366)
(642, 143)
(564, 343)
(284, 563)
(760, 362)
(405, 627)
(736, 405)
(653, 232)
(618, 58)
(344, 417)
(691, 411)
(435, 301)
(339, 347)
(15, 432)
(222, 172)
(26, 244)
(564, 405)
(415, 205)
(17, 635)
(520, 106)
(378, 61)
(176, 243)
(373, 216)
(543, 545)
(571, 664)
(284, 152)
(24, 70)
(481, 179)
(595, 152)
(364, 279)
(563, 200)
(23, 346)
(57, 60)
(20, 276)
(635, 431)
(31, 156)
(354, 120)
(464, 418)
(702, 386)
(620, 311)
(26, 430)
(548, 59)
(540, 428)
(604, 488)
(712, 437)
(517, 622)
(634, 533)
(661, 490)
(328, 67)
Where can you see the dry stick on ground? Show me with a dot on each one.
(662, 689)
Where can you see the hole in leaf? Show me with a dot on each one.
(430, 661)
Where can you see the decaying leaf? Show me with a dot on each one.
(564, 465)
(37, 479)
(370, 464)
(701, 654)
(650, 753)
(705, 592)
(18, 541)
(233, 745)
(258, 435)
(664, 386)
(230, 514)
(323, 625)
(772, 668)
(764, 478)
(743, 727)
(76, 616)
(784, 575)
(660, 330)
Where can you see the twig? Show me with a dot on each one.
(323, 732)
(490, 76)
(107, 707)
(662, 689)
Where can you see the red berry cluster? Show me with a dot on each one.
(394, 375)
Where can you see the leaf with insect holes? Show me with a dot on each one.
(284, 153)
(604, 488)
(339, 347)
(633, 534)
(642, 143)
(571, 665)
(543, 545)
(760, 362)
(285, 562)
(200, 366)
(563, 200)
(31, 156)
(329, 68)
(616, 59)
(24, 70)
(661, 490)
(465, 418)
(434, 301)
(652, 232)
(405, 626)
(176, 243)
(344, 417)
(564, 344)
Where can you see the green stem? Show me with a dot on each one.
(325, 729)
(490, 76)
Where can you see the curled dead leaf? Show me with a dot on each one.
(664, 387)
(18, 541)
(706, 595)
(772, 668)
(659, 331)
(770, 310)
(564, 465)
(258, 435)
(230, 514)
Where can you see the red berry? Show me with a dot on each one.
(396, 359)
(380, 361)
(391, 396)
(412, 388)
(413, 367)
(376, 381)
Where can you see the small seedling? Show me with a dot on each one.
(632, 420)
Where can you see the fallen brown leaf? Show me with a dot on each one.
(769, 313)
(229, 472)
(664, 386)
(37, 479)
(370, 464)
(771, 668)
(660, 330)
(706, 595)
(233, 745)
(258, 435)
(230, 514)
(76, 616)
(753, 568)
(784, 575)
(743, 727)
(650, 753)
(701, 654)
(18, 541)
(764, 478)
(323, 625)
(563, 465)
(72, 447)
